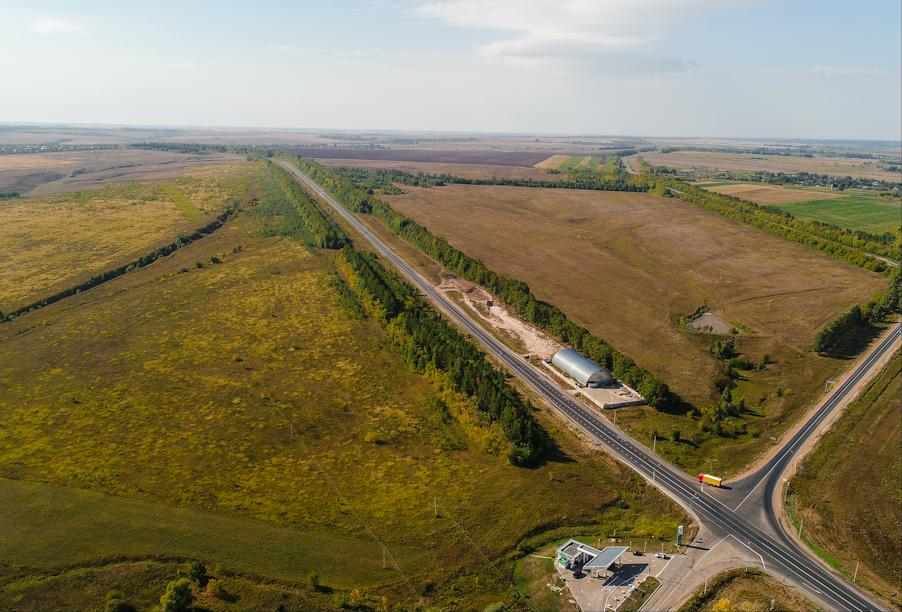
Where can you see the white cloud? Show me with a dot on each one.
(609, 22)
(596, 32)
(55, 26)
(847, 71)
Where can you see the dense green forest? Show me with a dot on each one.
(512, 292)
(426, 340)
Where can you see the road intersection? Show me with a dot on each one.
(735, 513)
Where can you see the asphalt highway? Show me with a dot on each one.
(779, 555)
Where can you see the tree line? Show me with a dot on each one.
(577, 179)
(512, 292)
(857, 316)
(424, 340)
(286, 210)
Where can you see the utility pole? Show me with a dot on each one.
(706, 586)
(855, 577)
(801, 522)
(785, 490)
(435, 505)
(645, 546)
(747, 550)
(383, 557)
(654, 444)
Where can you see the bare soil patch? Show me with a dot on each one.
(487, 308)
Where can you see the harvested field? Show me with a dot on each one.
(850, 493)
(474, 171)
(49, 243)
(772, 194)
(448, 156)
(741, 162)
(48, 173)
(628, 266)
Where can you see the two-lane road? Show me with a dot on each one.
(781, 557)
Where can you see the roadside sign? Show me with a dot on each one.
(680, 535)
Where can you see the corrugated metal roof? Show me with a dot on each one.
(607, 557)
(583, 370)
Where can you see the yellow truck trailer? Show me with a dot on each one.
(714, 481)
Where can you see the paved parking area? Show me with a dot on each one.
(603, 594)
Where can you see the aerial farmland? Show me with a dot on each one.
(450, 306)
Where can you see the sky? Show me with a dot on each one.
(706, 68)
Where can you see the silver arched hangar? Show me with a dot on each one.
(584, 371)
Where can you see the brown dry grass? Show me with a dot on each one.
(739, 162)
(48, 173)
(474, 171)
(772, 194)
(628, 265)
(850, 493)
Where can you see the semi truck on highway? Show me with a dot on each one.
(714, 481)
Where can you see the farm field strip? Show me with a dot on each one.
(476, 171)
(738, 162)
(451, 156)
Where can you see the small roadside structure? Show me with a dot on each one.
(578, 557)
(583, 370)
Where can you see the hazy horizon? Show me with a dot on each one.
(749, 69)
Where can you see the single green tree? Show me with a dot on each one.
(178, 596)
(198, 573)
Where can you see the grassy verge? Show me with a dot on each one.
(847, 500)
(639, 595)
(745, 590)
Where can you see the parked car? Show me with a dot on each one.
(661, 556)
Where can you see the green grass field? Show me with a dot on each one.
(572, 162)
(858, 211)
(851, 491)
(230, 410)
